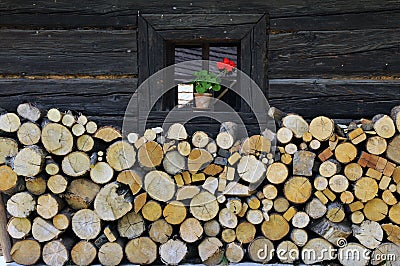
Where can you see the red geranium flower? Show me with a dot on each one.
(226, 64)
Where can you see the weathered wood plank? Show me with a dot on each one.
(334, 98)
(105, 100)
(334, 53)
(121, 13)
(389, 19)
(68, 52)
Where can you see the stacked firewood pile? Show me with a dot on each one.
(76, 193)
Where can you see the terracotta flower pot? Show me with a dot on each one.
(202, 100)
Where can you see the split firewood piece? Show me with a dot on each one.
(357, 136)
(187, 192)
(353, 171)
(346, 197)
(261, 250)
(9, 122)
(83, 253)
(329, 168)
(110, 204)
(141, 250)
(174, 212)
(213, 170)
(48, 205)
(81, 193)
(393, 150)
(75, 164)
(150, 134)
(288, 252)
(376, 145)
(276, 172)
(132, 178)
(21, 205)
(152, 211)
(57, 139)
(101, 173)
(365, 189)
(236, 189)
(107, 134)
(85, 143)
(131, 225)
(35, 185)
(297, 124)
(29, 161)
(159, 185)
(276, 228)
(303, 162)
(338, 183)
(322, 250)
(284, 135)
(392, 231)
(322, 128)
(19, 228)
(385, 251)
(62, 220)
(200, 139)
(369, 233)
(44, 231)
(354, 260)
(8, 148)
(150, 155)
(190, 230)
(26, 252)
(10, 183)
(177, 132)
(204, 206)
(212, 228)
(299, 237)
(256, 144)
(110, 233)
(199, 159)
(121, 155)
(395, 114)
(184, 148)
(57, 184)
(335, 212)
(211, 251)
(111, 253)
(376, 209)
(139, 201)
(297, 189)
(160, 231)
(57, 252)
(52, 168)
(29, 112)
(86, 224)
(250, 169)
(345, 152)
(227, 219)
(174, 162)
(234, 205)
(173, 252)
(357, 217)
(234, 253)
(331, 231)
(29, 134)
(384, 126)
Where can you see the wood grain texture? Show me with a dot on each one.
(334, 53)
(336, 98)
(39, 52)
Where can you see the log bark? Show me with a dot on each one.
(81, 193)
(332, 232)
(303, 162)
(8, 149)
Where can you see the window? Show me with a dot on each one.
(167, 39)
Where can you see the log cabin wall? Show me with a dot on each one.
(336, 58)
